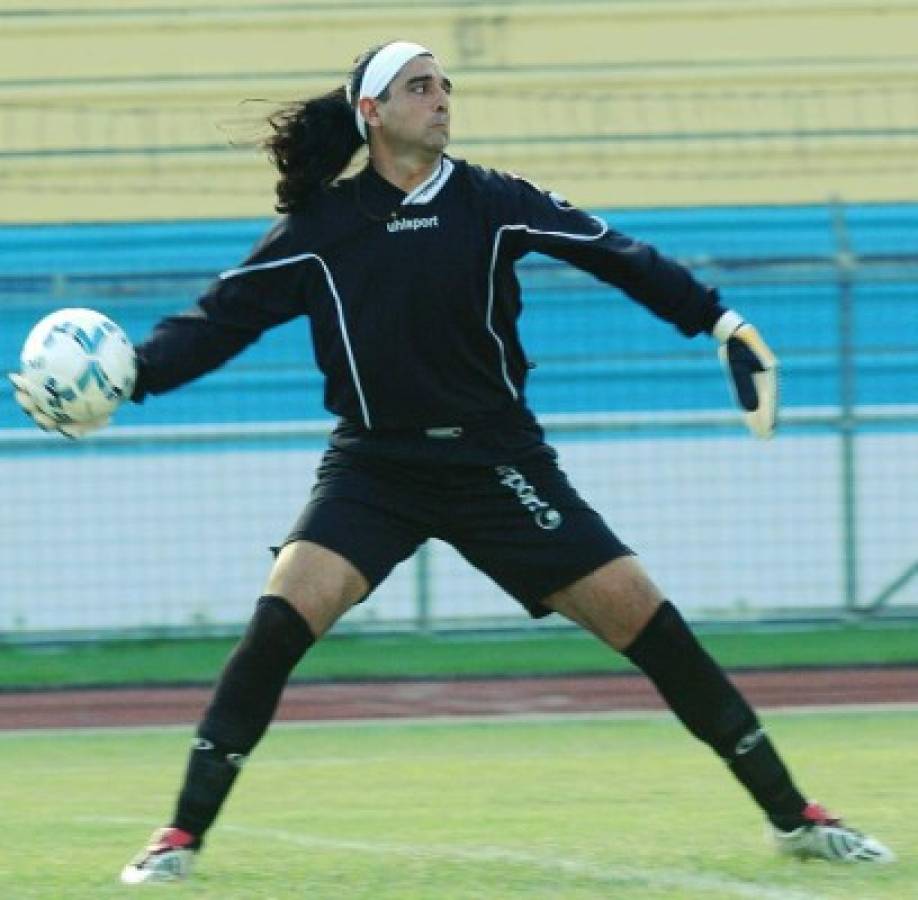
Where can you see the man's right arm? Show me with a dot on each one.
(234, 311)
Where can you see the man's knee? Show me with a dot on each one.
(615, 602)
(277, 632)
(318, 583)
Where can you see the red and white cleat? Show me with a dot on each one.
(168, 856)
(827, 837)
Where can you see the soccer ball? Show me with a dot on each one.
(79, 365)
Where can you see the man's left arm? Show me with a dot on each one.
(549, 225)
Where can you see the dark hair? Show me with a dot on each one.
(313, 141)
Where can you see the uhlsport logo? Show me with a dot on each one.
(413, 224)
(543, 515)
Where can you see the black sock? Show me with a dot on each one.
(706, 702)
(243, 704)
(210, 774)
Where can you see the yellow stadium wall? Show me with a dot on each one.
(125, 110)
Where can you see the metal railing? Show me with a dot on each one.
(845, 422)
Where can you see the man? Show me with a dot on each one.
(406, 273)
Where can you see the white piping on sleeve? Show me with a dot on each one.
(494, 253)
(488, 323)
(291, 260)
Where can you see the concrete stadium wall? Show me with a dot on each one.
(125, 110)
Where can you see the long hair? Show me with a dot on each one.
(313, 141)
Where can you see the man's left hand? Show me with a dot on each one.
(752, 372)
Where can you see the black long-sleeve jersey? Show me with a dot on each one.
(412, 299)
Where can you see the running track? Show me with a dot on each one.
(331, 701)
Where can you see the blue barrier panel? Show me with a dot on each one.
(594, 349)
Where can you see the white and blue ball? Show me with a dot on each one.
(79, 365)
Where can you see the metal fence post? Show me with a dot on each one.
(846, 263)
(422, 588)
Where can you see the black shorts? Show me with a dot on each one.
(523, 525)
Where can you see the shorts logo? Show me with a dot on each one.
(543, 515)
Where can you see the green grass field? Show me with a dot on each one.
(604, 807)
(523, 653)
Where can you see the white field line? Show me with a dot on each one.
(671, 879)
(496, 719)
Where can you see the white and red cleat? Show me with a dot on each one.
(168, 856)
(826, 837)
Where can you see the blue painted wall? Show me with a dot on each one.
(595, 349)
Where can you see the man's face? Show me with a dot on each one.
(416, 114)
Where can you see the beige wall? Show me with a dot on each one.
(627, 102)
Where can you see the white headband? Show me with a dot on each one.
(383, 67)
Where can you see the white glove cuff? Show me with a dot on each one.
(726, 325)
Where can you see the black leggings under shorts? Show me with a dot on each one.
(521, 524)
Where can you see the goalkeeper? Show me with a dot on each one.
(406, 272)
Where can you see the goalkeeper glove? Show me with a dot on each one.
(30, 407)
(752, 372)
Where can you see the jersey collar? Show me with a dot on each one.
(427, 190)
(382, 194)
